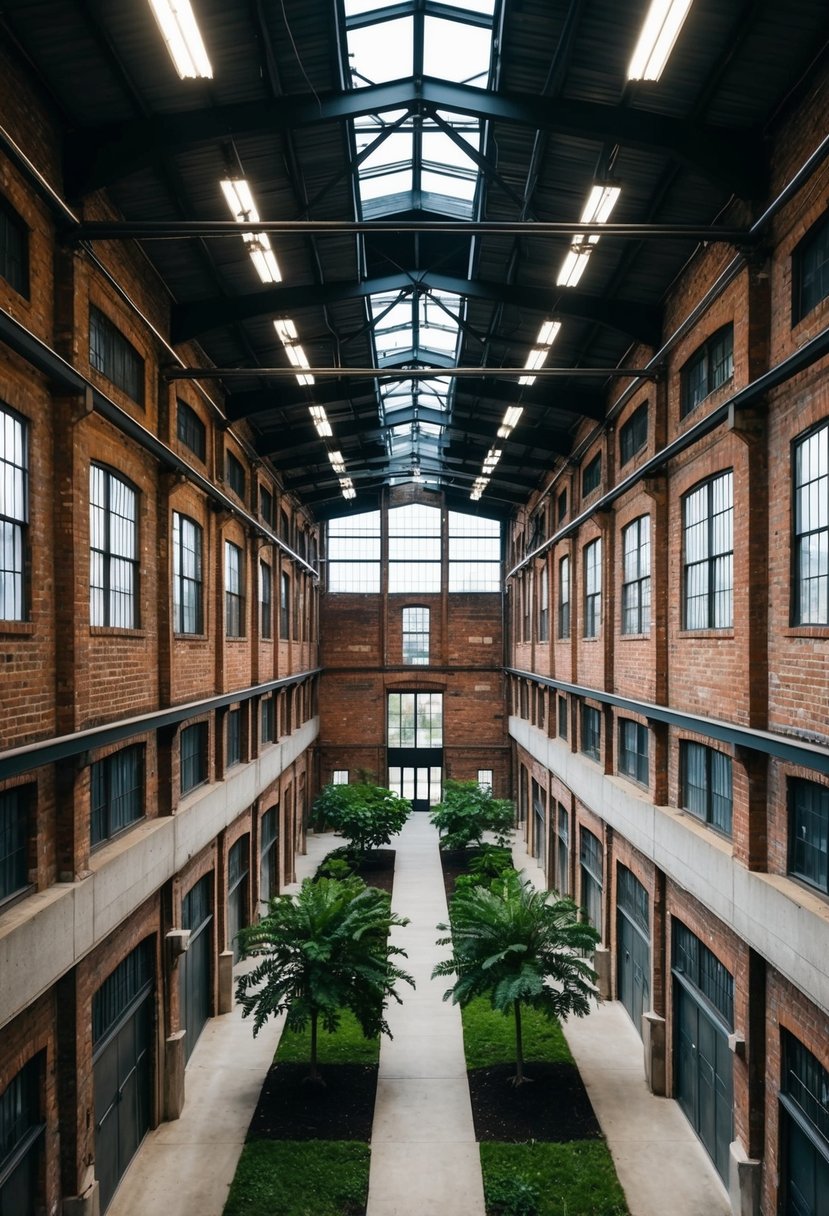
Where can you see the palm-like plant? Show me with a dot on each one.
(322, 951)
(513, 944)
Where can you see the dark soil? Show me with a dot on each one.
(455, 862)
(553, 1106)
(292, 1108)
(377, 869)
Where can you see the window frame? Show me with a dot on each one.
(182, 580)
(591, 477)
(707, 794)
(235, 474)
(633, 434)
(113, 347)
(234, 587)
(701, 360)
(285, 606)
(817, 234)
(564, 598)
(543, 603)
(105, 772)
(803, 875)
(591, 733)
(108, 558)
(637, 614)
(265, 600)
(233, 737)
(14, 528)
(415, 655)
(197, 758)
(709, 561)
(267, 720)
(191, 430)
(12, 223)
(592, 564)
(819, 535)
(634, 762)
(20, 799)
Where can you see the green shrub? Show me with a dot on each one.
(367, 815)
(489, 864)
(467, 812)
(339, 863)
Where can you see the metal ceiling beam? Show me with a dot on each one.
(405, 373)
(639, 321)
(736, 159)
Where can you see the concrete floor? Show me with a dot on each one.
(424, 1157)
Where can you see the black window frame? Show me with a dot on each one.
(591, 732)
(815, 241)
(235, 474)
(592, 564)
(267, 720)
(116, 793)
(706, 805)
(591, 477)
(188, 577)
(564, 598)
(285, 605)
(634, 750)
(193, 765)
(22, 1132)
(810, 545)
(800, 789)
(636, 577)
(633, 434)
(709, 367)
(709, 603)
(416, 624)
(804, 1086)
(265, 600)
(14, 519)
(234, 580)
(16, 824)
(562, 718)
(267, 505)
(543, 603)
(110, 559)
(14, 249)
(561, 507)
(702, 971)
(190, 430)
(233, 737)
(114, 357)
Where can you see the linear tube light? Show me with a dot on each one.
(600, 202)
(538, 355)
(337, 462)
(239, 199)
(288, 336)
(510, 421)
(659, 32)
(181, 34)
(347, 487)
(320, 421)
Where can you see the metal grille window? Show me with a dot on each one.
(414, 548)
(234, 591)
(592, 876)
(14, 249)
(632, 899)
(285, 605)
(562, 718)
(636, 576)
(266, 509)
(633, 434)
(117, 792)
(591, 732)
(633, 750)
(190, 430)
(543, 604)
(265, 600)
(114, 357)
(563, 850)
(266, 716)
(593, 588)
(810, 270)
(130, 981)
(234, 737)
(708, 558)
(14, 513)
(591, 478)
(416, 636)
(235, 474)
(809, 832)
(703, 971)
(711, 366)
(811, 529)
(193, 756)
(805, 1083)
(339, 776)
(564, 598)
(706, 785)
(21, 1140)
(113, 557)
(353, 553)
(474, 553)
(187, 575)
(561, 507)
(15, 805)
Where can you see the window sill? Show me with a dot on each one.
(635, 637)
(593, 637)
(114, 631)
(724, 634)
(17, 628)
(234, 638)
(190, 637)
(806, 631)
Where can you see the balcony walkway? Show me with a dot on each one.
(424, 1157)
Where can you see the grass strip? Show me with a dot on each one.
(293, 1178)
(538, 1179)
(489, 1037)
(347, 1045)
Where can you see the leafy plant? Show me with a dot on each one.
(512, 1195)
(339, 863)
(367, 815)
(512, 945)
(467, 811)
(322, 951)
(489, 864)
(293, 1178)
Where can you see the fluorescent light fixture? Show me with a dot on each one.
(347, 487)
(600, 202)
(180, 32)
(538, 355)
(660, 31)
(289, 338)
(239, 199)
(491, 459)
(286, 330)
(263, 257)
(337, 462)
(510, 420)
(320, 421)
(479, 485)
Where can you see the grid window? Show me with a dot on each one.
(339, 776)
(633, 434)
(14, 839)
(235, 474)
(810, 267)
(564, 598)
(234, 591)
(543, 604)
(285, 605)
(266, 509)
(485, 779)
(636, 576)
(353, 545)
(14, 249)
(633, 750)
(811, 529)
(22, 1130)
(190, 430)
(474, 553)
(113, 556)
(703, 970)
(592, 476)
(526, 606)
(711, 366)
(187, 575)
(591, 732)
(193, 756)
(114, 357)
(592, 876)
(806, 1085)
(708, 543)
(809, 833)
(561, 507)
(416, 636)
(593, 589)
(563, 851)
(234, 737)
(117, 792)
(563, 725)
(266, 720)
(706, 785)
(414, 549)
(265, 600)
(14, 513)
(415, 719)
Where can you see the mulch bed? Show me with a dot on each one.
(553, 1106)
(454, 862)
(291, 1108)
(377, 869)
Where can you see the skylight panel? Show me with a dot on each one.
(320, 421)
(395, 149)
(439, 149)
(183, 39)
(381, 52)
(470, 6)
(355, 8)
(660, 30)
(381, 184)
(457, 52)
(451, 184)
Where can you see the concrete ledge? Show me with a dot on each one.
(745, 1177)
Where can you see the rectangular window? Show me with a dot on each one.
(485, 779)
(810, 270)
(805, 1083)
(563, 725)
(592, 876)
(561, 507)
(526, 605)
(633, 750)
(708, 554)
(591, 732)
(353, 553)
(811, 529)
(193, 756)
(416, 636)
(265, 600)
(414, 549)
(809, 833)
(235, 474)
(474, 553)
(14, 249)
(187, 575)
(234, 591)
(593, 588)
(113, 557)
(564, 598)
(636, 576)
(190, 430)
(563, 851)
(543, 604)
(633, 434)
(415, 719)
(592, 476)
(15, 812)
(266, 505)
(339, 776)
(14, 513)
(266, 721)
(285, 606)
(234, 737)
(701, 969)
(706, 785)
(114, 357)
(117, 792)
(22, 1130)
(709, 367)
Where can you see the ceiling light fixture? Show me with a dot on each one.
(320, 421)
(510, 421)
(659, 32)
(239, 199)
(347, 487)
(289, 338)
(337, 462)
(538, 355)
(183, 39)
(600, 202)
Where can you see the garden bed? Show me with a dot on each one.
(290, 1107)
(553, 1105)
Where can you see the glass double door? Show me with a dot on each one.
(415, 747)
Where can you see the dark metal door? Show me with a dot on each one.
(194, 966)
(807, 1174)
(122, 1085)
(704, 1077)
(633, 970)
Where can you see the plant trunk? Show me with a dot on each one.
(315, 1076)
(519, 1046)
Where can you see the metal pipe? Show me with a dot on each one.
(400, 373)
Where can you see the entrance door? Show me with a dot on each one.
(194, 965)
(704, 1072)
(415, 746)
(422, 786)
(633, 963)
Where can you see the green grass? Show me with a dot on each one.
(576, 1179)
(348, 1045)
(489, 1037)
(294, 1178)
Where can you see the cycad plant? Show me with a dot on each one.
(321, 951)
(520, 948)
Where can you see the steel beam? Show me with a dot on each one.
(404, 373)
